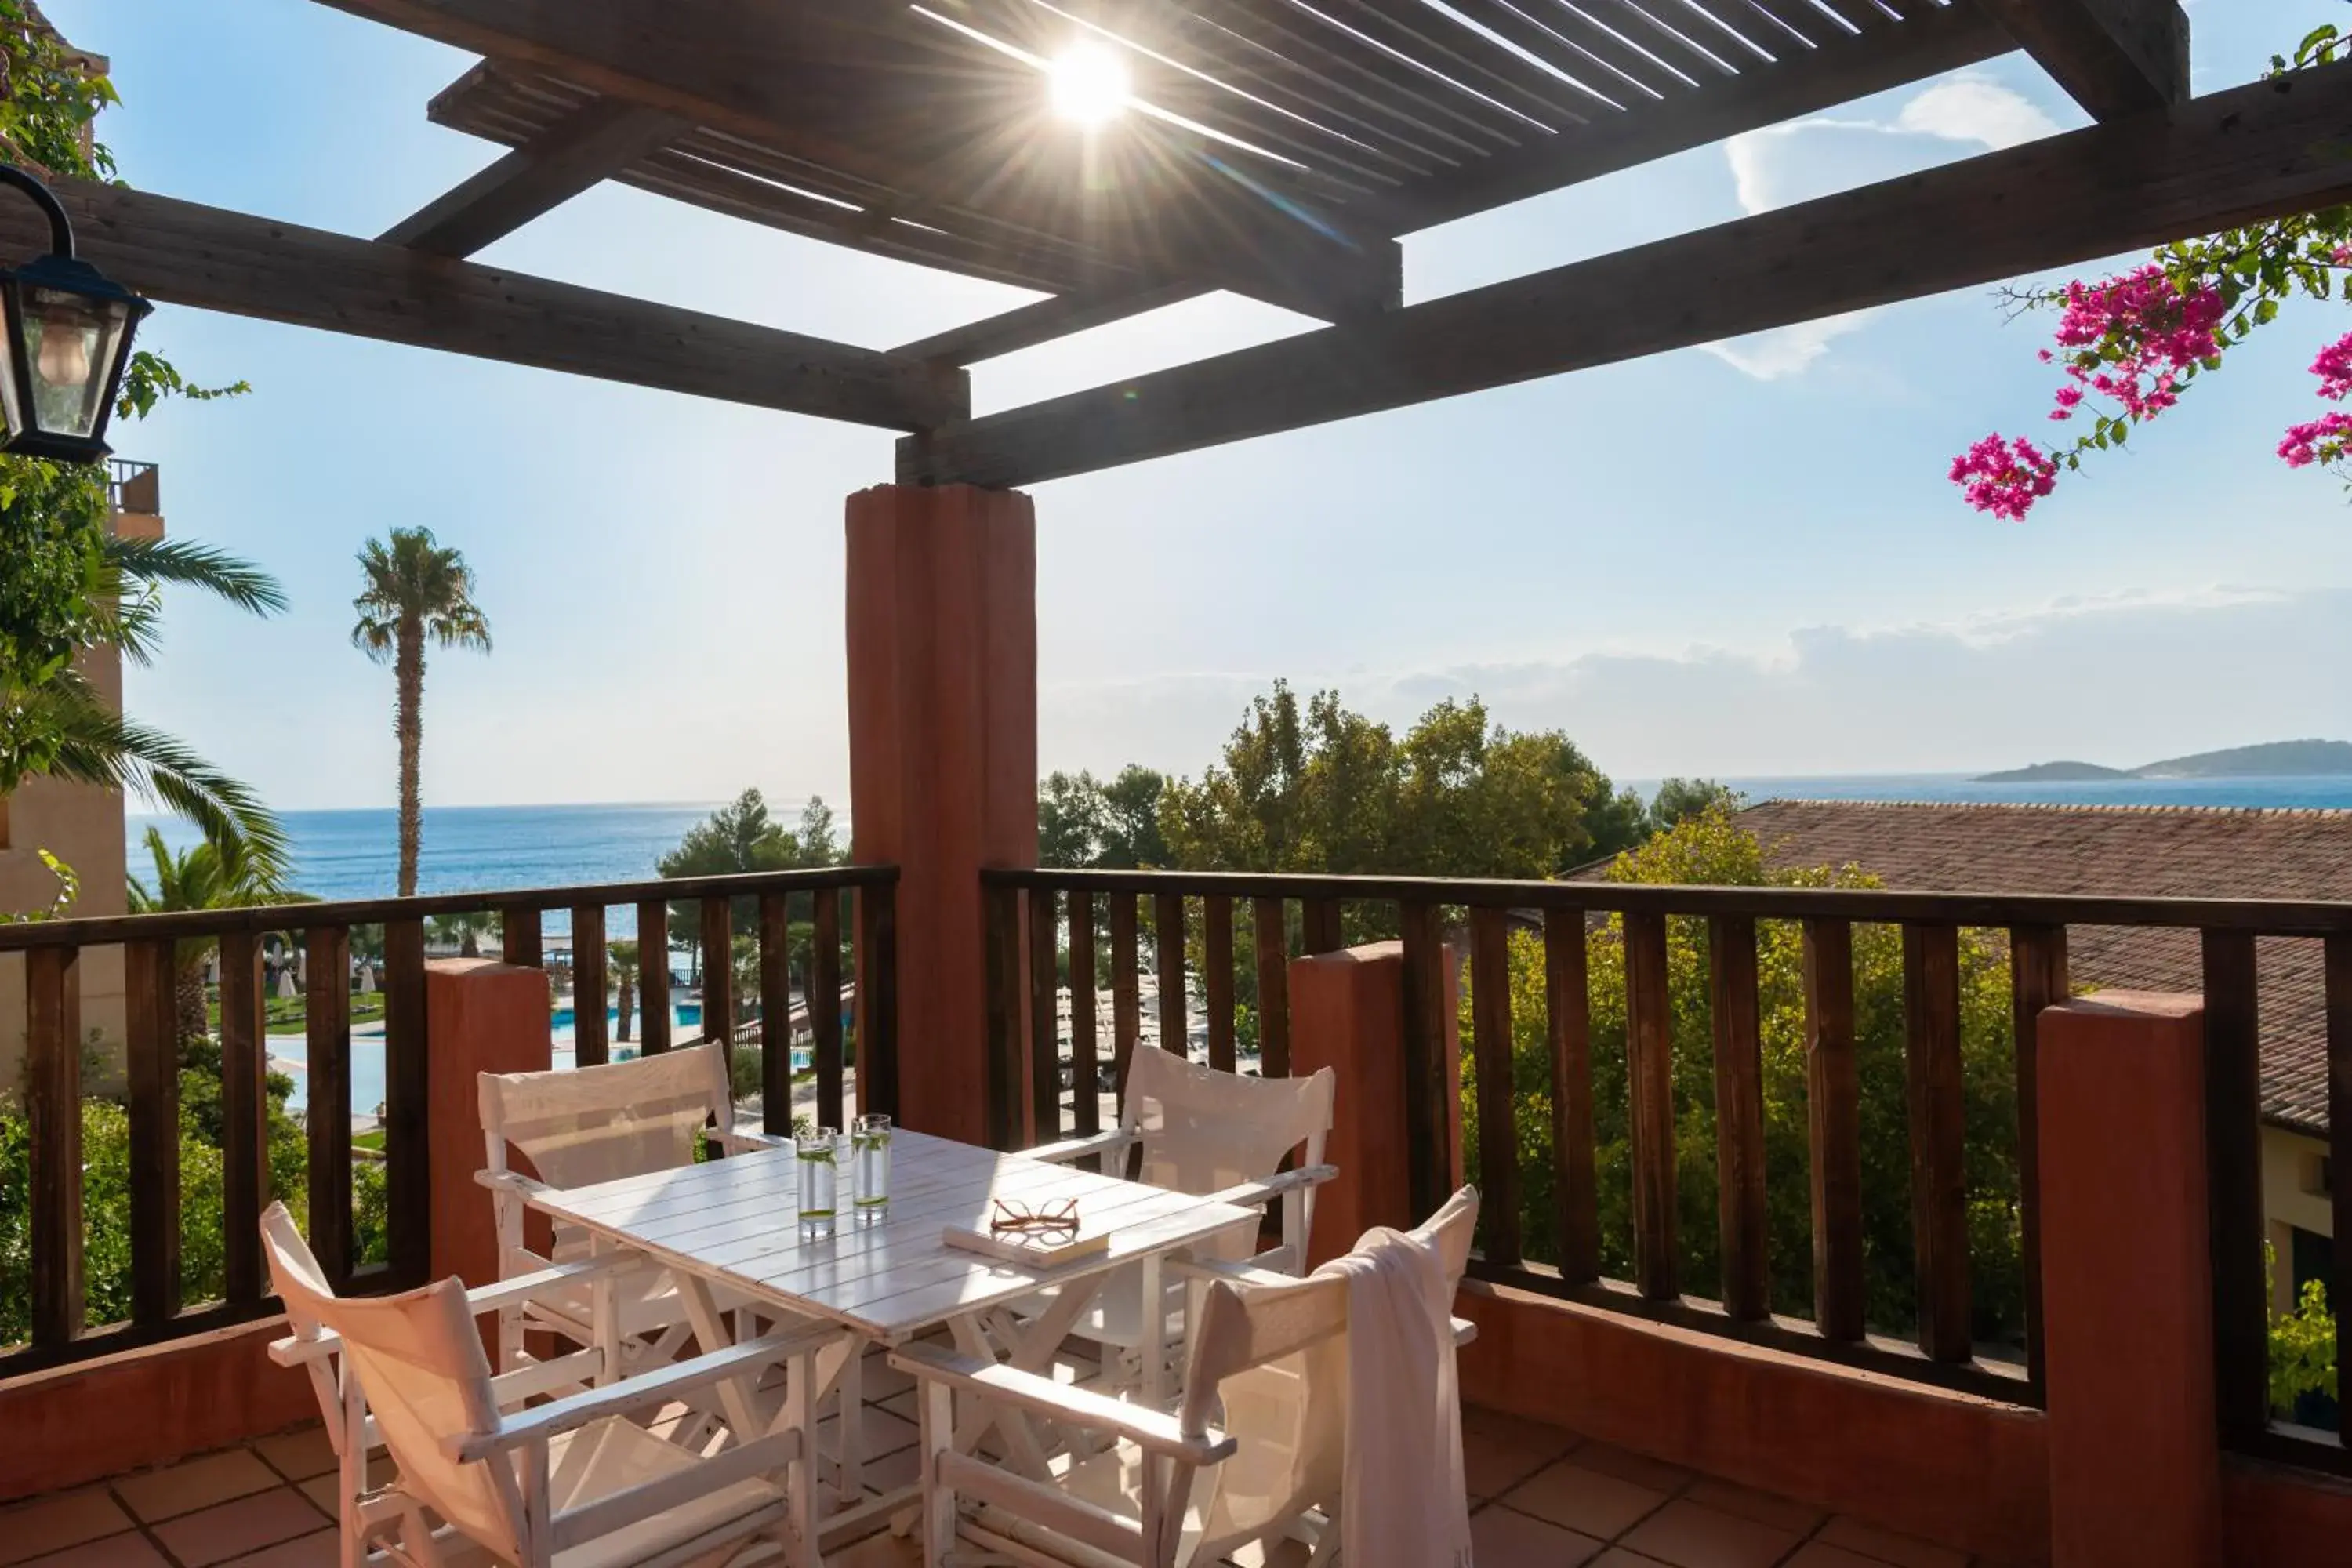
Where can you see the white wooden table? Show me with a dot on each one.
(734, 1224)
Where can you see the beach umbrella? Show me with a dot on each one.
(287, 990)
(367, 978)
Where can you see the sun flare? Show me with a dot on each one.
(1090, 84)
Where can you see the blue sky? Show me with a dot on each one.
(1740, 561)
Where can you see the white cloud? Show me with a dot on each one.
(1809, 158)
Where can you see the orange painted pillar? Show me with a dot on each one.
(2126, 1284)
(942, 631)
(480, 1016)
(1347, 1013)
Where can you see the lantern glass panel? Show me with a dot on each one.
(70, 344)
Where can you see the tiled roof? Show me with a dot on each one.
(2130, 851)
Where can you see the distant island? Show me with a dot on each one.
(2275, 759)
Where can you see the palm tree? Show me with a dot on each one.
(621, 963)
(465, 930)
(61, 728)
(415, 590)
(213, 875)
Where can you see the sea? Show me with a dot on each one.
(355, 853)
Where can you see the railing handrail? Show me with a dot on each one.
(102, 930)
(2261, 917)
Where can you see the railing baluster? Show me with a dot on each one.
(1006, 981)
(407, 1125)
(1320, 920)
(53, 1107)
(776, 1014)
(245, 1108)
(1569, 1026)
(152, 1059)
(1491, 1042)
(1271, 936)
(591, 1036)
(2037, 979)
(1126, 989)
(653, 974)
(1833, 1109)
(1086, 1088)
(521, 941)
(1650, 1081)
(327, 1034)
(1175, 1009)
(1217, 977)
(2233, 1109)
(877, 999)
(1044, 1026)
(1428, 1075)
(1938, 1105)
(718, 940)
(824, 1010)
(2338, 967)
(1738, 1119)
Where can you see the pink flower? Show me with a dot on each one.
(2334, 369)
(2341, 256)
(2005, 478)
(2326, 439)
(2134, 335)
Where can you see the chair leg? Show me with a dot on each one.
(939, 1499)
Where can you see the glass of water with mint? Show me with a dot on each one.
(870, 1145)
(820, 1162)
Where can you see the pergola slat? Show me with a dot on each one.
(183, 253)
(590, 144)
(2115, 57)
(2228, 158)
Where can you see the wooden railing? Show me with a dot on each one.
(1045, 914)
(53, 954)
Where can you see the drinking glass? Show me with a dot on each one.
(820, 1158)
(870, 1140)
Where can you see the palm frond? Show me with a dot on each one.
(194, 565)
(98, 745)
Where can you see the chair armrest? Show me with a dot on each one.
(1256, 1195)
(544, 1421)
(1149, 1430)
(295, 1350)
(1079, 1148)
(1465, 1331)
(510, 1182)
(1209, 1271)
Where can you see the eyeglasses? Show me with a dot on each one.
(1018, 1216)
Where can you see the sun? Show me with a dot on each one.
(1090, 84)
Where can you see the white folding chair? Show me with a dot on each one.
(1256, 1452)
(573, 1483)
(1191, 1128)
(594, 1124)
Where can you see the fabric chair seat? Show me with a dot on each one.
(613, 1455)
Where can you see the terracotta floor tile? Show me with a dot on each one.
(1764, 1508)
(314, 1551)
(883, 1550)
(1818, 1554)
(1689, 1536)
(1506, 1538)
(1498, 1452)
(232, 1529)
(325, 1493)
(1627, 1465)
(193, 1484)
(299, 1455)
(46, 1524)
(130, 1550)
(901, 1404)
(883, 1379)
(1886, 1546)
(1618, 1557)
(1566, 1493)
(892, 1471)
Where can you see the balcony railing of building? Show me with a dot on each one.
(134, 487)
(789, 908)
(1181, 928)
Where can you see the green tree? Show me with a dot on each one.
(215, 873)
(1086, 822)
(415, 590)
(744, 836)
(621, 970)
(1680, 799)
(464, 930)
(1711, 849)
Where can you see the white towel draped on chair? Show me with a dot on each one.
(1403, 1502)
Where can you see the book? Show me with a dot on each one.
(1036, 1250)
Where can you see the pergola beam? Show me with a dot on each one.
(591, 144)
(1042, 322)
(2254, 153)
(181, 253)
(2115, 57)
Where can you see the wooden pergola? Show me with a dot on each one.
(1275, 147)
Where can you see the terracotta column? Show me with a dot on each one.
(1347, 1013)
(2126, 1285)
(942, 629)
(480, 1016)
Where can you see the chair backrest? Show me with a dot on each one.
(418, 1360)
(1202, 1131)
(599, 1123)
(1274, 1360)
